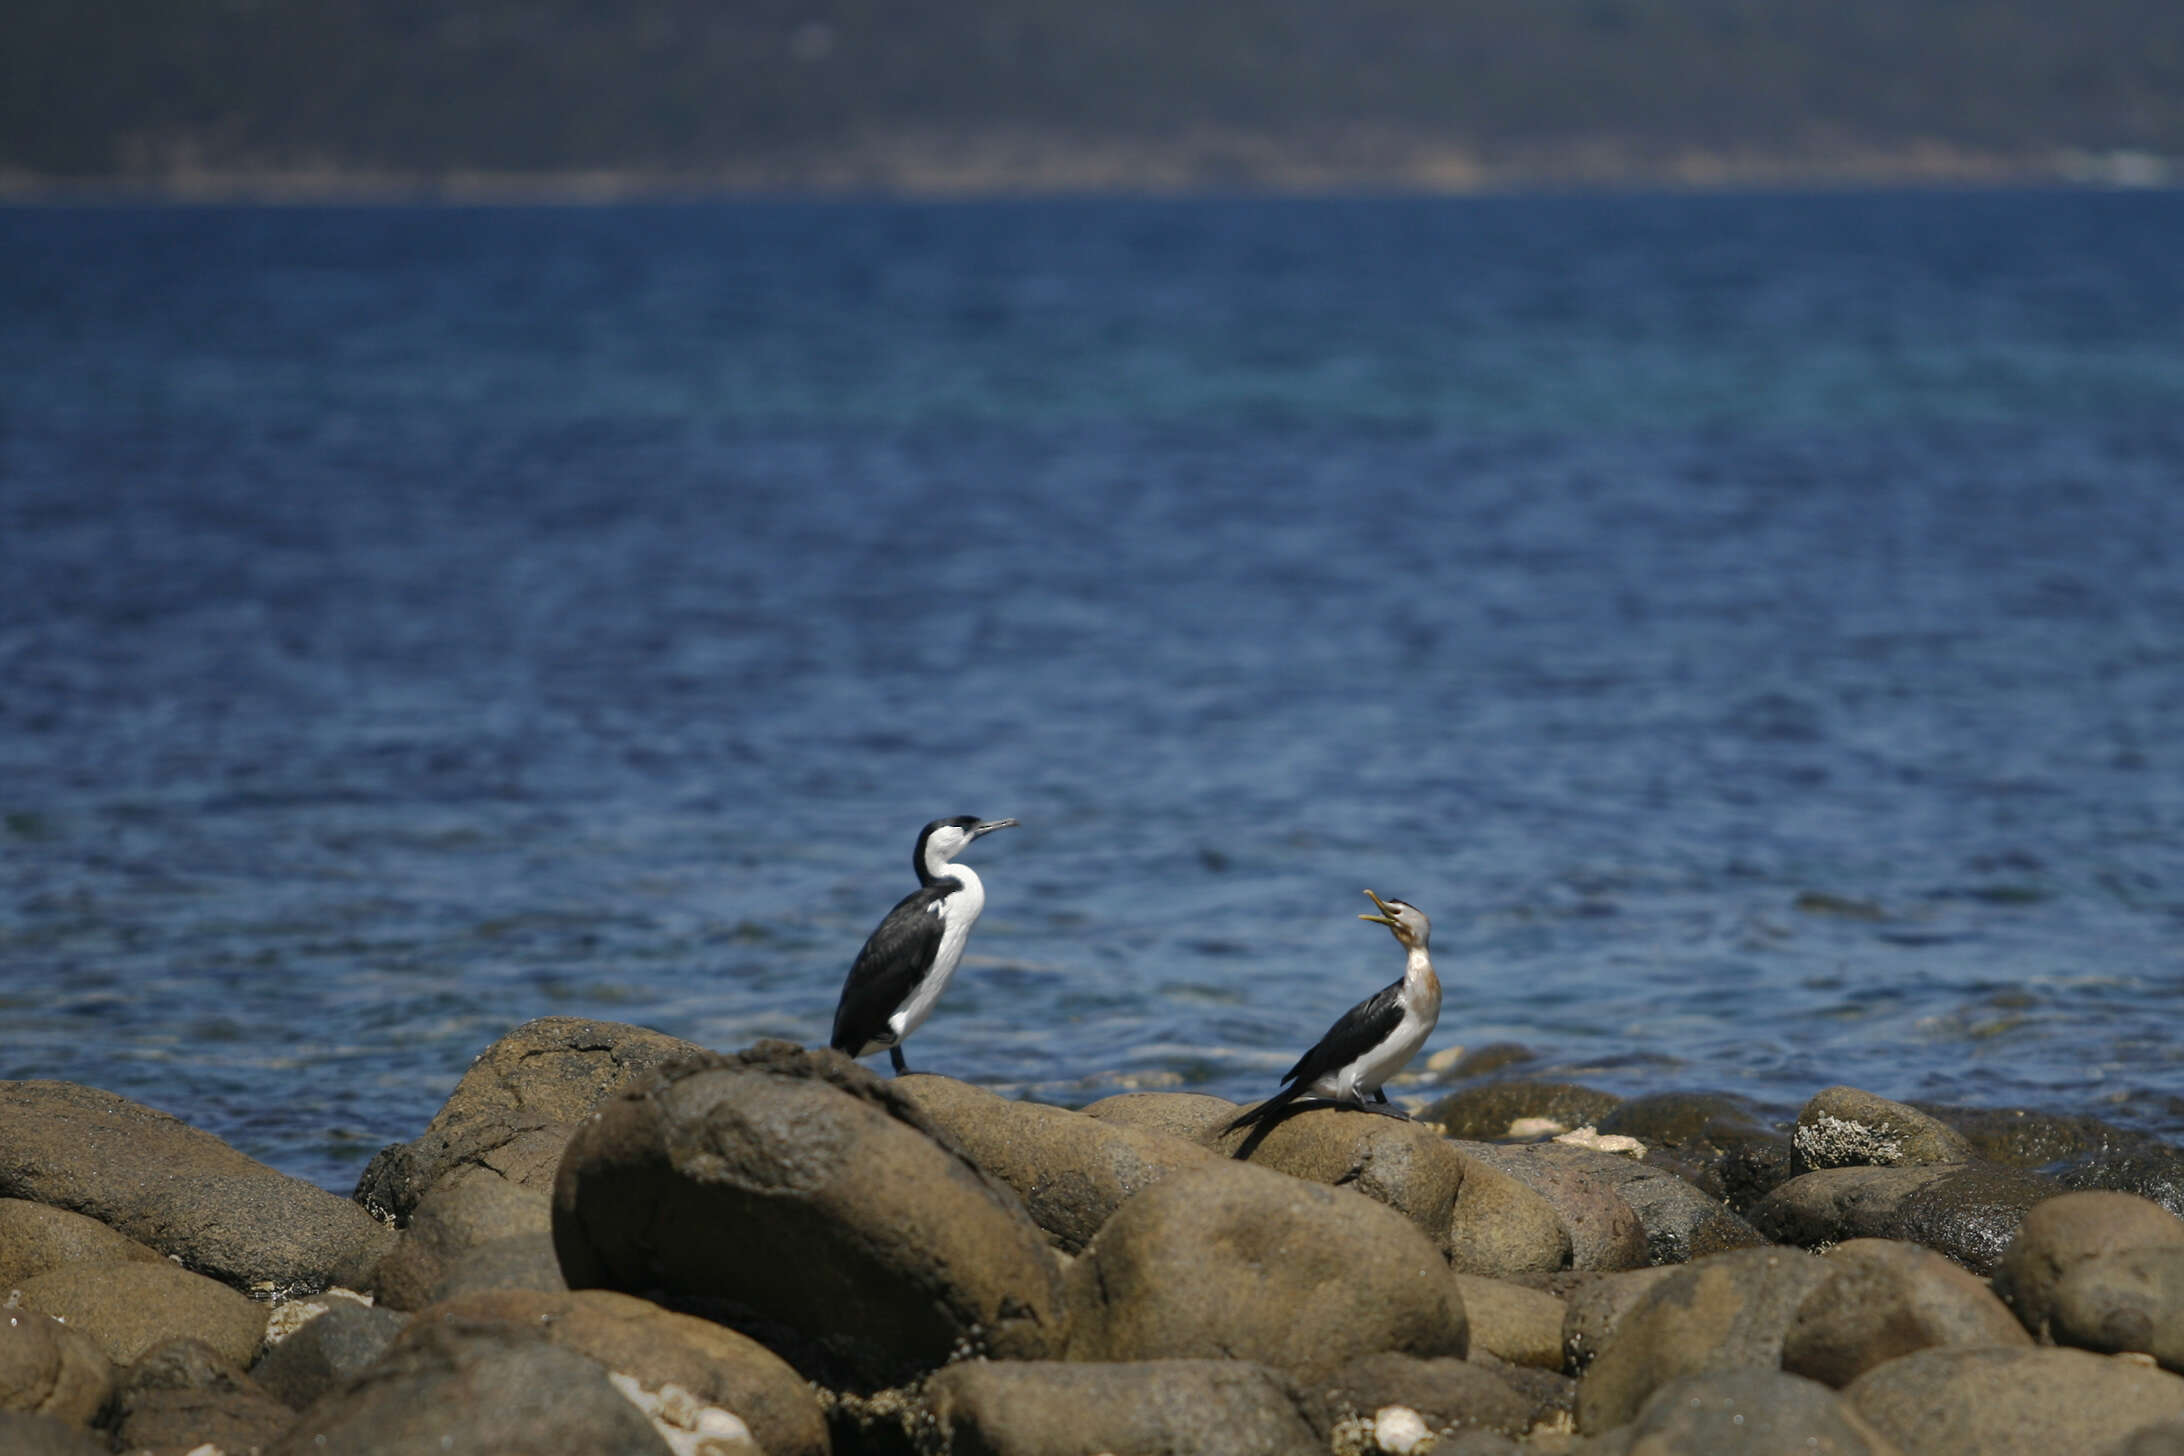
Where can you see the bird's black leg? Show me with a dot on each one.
(1380, 1095)
(894, 1054)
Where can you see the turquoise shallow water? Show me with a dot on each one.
(1753, 628)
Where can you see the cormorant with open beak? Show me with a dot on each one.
(907, 960)
(1373, 1039)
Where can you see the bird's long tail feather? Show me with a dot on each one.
(1251, 1116)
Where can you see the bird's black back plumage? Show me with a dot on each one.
(888, 967)
(1364, 1026)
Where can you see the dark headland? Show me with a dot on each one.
(574, 100)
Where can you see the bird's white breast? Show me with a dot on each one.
(958, 912)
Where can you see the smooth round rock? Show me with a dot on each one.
(50, 1369)
(1494, 1110)
(1233, 1261)
(2132, 1301)
(1054, 1408)
(128, 1308)
(35, 1237)
(1406, 1165)
(1745, 1412)
(2062, 1232)
(1843, 1127)
(1882, 1299)
(1960, 1401)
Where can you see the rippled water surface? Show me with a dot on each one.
(1752, 627)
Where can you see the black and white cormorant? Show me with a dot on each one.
(1373, 1039)
(906, 962)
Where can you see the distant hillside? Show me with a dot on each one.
(972, 92)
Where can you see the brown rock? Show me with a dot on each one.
(1882, 1299)
(332, 1348)
(466, 1210)
(50, 1369)
(1055, 1408)
(1233, 1261)
(1450, 1396)
(2130, 1301)
(1727, 1311)
(1842, 1127)
(1594, 1306)
(2059, 1233)
(1967, 1211)
(1501, 1228)
(1522, 1326)
(512, 1113)
(1191, 1116)
(1603, 1229)
(24, 1434)
(183, 1396)
(1745, 1412)
(1964, 1401)
(181, 1191)
(1071, 1170)
(128, 1308)
(1407, 1166)
(1681, 1222)
(489, 1390)
(802, 1188)
(658, 1347)
(35, 1237)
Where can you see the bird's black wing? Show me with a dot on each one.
(894, 956)
(1364, 1026)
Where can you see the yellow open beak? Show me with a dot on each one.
(1385, 917)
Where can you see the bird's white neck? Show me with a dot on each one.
(1419, 980)
(942, 871)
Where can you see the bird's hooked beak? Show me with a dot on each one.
(1385, 917)
(990, 826)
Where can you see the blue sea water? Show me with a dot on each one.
(1751, 626)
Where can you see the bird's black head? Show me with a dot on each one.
(943, 839)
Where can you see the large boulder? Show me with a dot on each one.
(494, 1391)
(1681, 1222)
(1195, 1117)
(35, 1237)
(1593, 1306)
(181, 1191)
(1054, 1408)
(1882, 1299)
(469, 1210)
(513, 1110)
(128, 1308)
(1406, 1165)
(1842, 1127)
(342, 1340)
(51, 1369)
(1233, 1261)
(1520, 1325)
(1603, 1230)
(1071, 1170)
(807, 1192)
(1725, 1312)
(1972, 1401)
(2127, 1302)
(2062, 1232)
(656, 1347)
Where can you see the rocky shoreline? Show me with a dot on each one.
(610, 1240)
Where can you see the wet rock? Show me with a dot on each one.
(1522, 1326)
(1594, 1306)
(1723, 1145)
(35, 1237)
(128, 1308)
(467, 1210)
(328, 1350)
(658, 1348)
(1235, 1261)
(50, 1369)
(183, 1396)
(181, 1191)
(2128, 1301)
(1959, 1401)
(1745, 1413)
(1882, 1299)
(1495, 1110)
(1727, 1311)
(2154, 1173)
(1191, 1116)
(1052, 1408)
(1495, 1056)
(490, 1390)
(1967, 1211)
(1406, 1165)
(25, 1434)
(1449, 1396)
(2065, 1231)
(1071, 1170)
(2022, 1138)
(512, 1113)
(802, 1188)
(1603, 1230)
(1842, 1127)
(1500, 1227)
